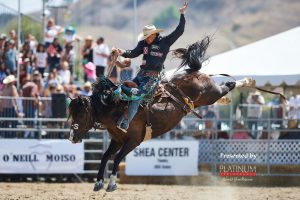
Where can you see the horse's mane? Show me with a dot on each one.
(194, 55)
(75, 107)
(102, 84)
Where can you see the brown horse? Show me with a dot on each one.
(165, 111)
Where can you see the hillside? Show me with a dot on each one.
(232, 23)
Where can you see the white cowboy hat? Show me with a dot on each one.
(148, 30)
(87, 84)
(89, 37)
(9, 79)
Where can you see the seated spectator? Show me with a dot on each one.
(65, 73)
(240, 133)
(87, 89)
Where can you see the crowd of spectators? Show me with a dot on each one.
(47, 68)
(254, 118)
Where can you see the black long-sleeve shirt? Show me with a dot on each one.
(154, 55)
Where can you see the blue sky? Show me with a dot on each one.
(27, 6)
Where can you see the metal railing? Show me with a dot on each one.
(269, 150)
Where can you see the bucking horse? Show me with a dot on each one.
(185, 91)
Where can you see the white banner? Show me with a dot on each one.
(164, 158)
(28, 156)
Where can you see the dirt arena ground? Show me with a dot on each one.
(81, 191)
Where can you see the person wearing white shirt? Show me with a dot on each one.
(51, 32)
(101, 54)
(65, 73)
(254, 111)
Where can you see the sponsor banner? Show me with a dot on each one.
(28, 156)
(164, 158)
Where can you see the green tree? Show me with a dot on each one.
(28, 26)
(167, 17)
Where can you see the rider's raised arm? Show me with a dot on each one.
(170, 39)
(138, 50)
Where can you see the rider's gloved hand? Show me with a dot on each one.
(230, 85)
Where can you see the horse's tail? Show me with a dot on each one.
(194, 55)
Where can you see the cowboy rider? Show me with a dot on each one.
(154, 49)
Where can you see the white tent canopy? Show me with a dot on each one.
(272, 60)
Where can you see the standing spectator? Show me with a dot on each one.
(3, 74)
(294, 103)
(28, 66)
(65, 73)
(54, 51)
(69, 35)
(10, 57)
(54, 76)
(33, 43)
(10, 105)
(101, 53)
(277, 110)
(255, 101)
(13, 36)
(113, 76)
(41, 59)
(26, 51)
(37, 79)
(210, 117)
(87, 53)
(51, 32)
(30, 89)
(68, 56)
(2, 42)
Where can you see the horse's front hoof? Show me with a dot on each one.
(111, 188)
(98, 186)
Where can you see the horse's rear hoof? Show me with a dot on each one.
(98, 186)
(111, 188)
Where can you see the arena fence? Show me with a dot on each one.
(251, 152)
(268, 149)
